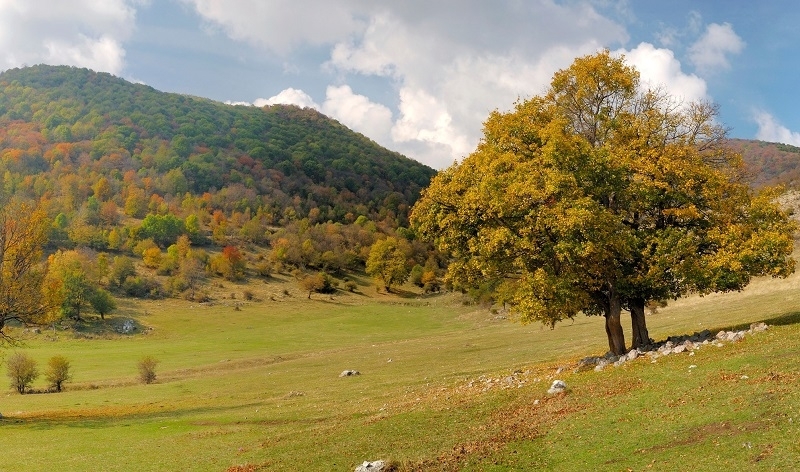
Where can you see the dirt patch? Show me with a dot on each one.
(711, 430)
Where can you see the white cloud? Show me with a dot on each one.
(447, 69)
(710, 52)
(770, 129)
(289, 96)
(450, 71)
(659, 68)
(359, 113)
(85, 33)
(280, 25)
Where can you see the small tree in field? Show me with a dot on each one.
(22, 371)
(147, 369)
(387, 262)
(58, 372)
(319, 282)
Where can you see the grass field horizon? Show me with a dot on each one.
(254, 385)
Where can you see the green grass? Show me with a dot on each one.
(260, 386)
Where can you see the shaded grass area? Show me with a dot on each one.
(443, 387)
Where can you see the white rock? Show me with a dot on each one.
(558, 386)
(368, 466)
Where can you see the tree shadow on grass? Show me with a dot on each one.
(785, 319)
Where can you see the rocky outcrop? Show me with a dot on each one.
(672, 345)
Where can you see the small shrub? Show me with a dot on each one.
(142, 287)
(58, 372)
(264, 268)
(147, 369)
(22, 371)
(350, 286)
(248, 295)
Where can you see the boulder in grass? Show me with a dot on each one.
(349, 373)
(558, 386)
(367, 466)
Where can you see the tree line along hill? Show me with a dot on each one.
(185, 186)
(125, 171)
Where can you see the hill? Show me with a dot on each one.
(58, 119)
(122, 169)
(769, 164)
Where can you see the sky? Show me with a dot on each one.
(421, 76)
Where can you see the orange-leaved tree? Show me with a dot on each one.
(23, 234)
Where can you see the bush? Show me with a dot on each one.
(141, 287)
(22, 371)
(57, 372)
(147, 369)
(350, 286)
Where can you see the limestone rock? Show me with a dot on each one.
(128, 327)
(368, 466)
(558, 386)
(349, 373)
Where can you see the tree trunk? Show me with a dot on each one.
(616, 337)
(638, 323)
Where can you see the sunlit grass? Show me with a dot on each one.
(260, 385)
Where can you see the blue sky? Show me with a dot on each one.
(419, 77)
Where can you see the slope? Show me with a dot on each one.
(187, 144)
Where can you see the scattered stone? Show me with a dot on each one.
(127, 327)
(672, 345)
(368, 466)
(349, 373)
(758, 327)
(558, 386)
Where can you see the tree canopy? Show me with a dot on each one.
(23, 233)
(602, 195)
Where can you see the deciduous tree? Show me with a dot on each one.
(387, 262)
(23, 234)
(22, 371)
(600, 196)
(58, 372)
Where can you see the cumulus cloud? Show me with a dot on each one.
(450, 71)
(358, 112)
(658, 67)
(289, 96)
(280, 25)
(770, 129)
(710, 52)
(84, 33)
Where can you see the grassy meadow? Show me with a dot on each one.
(254, 385)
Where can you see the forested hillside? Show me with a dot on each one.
(769, 164)
(57, 121)
(147, 193)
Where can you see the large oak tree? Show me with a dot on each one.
(600, 196)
